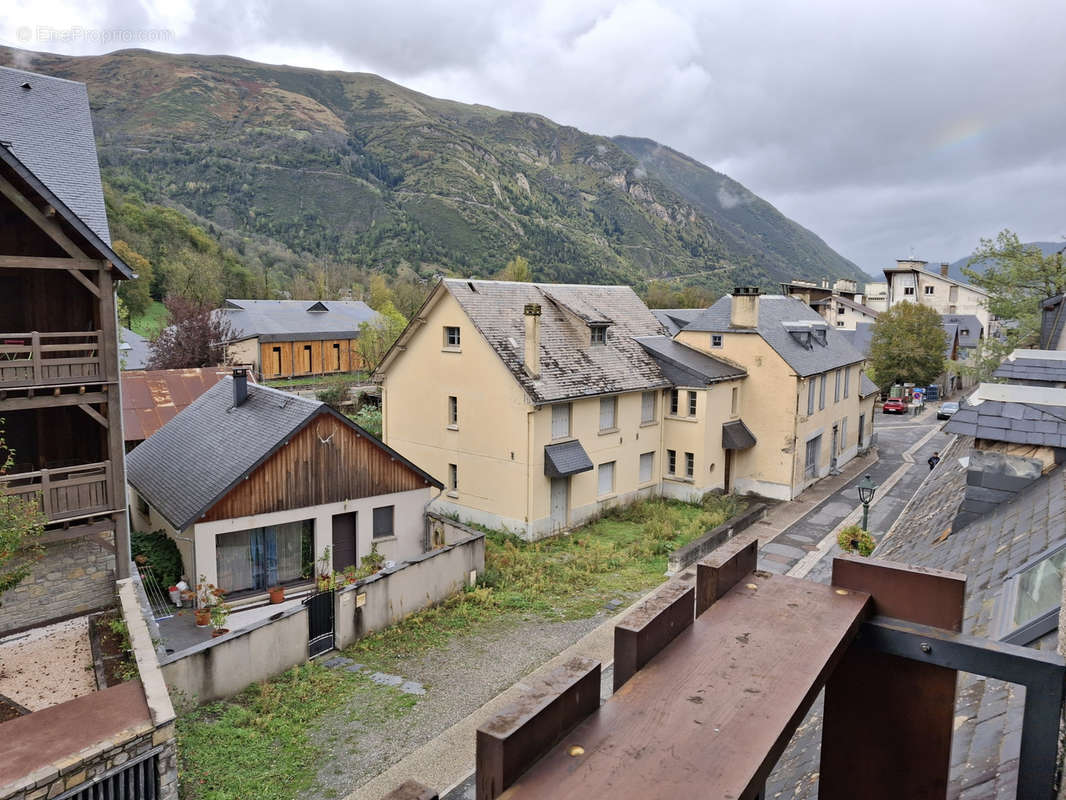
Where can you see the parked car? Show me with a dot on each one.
(946, 410)
(894, 406)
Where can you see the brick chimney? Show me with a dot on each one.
(744, 310)
(240, 386)
(944, 269)
(532, 360)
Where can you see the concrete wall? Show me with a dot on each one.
(72, 578)
(713, 539)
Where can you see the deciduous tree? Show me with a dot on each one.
(375, 338)
(194, 338)
(907, 346)
(517, 269)
(136, 293)
(21, 526)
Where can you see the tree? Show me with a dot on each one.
(380, 293)
(517, 269)
(375, 338)
(194, 338)
(136, 293)
(21, 526)
(907, 346)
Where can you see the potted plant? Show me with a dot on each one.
(219, 614)
(207, 596)
(277, 594)
(853, 539)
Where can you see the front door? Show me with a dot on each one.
(833, 452)
(344, 541)
(811, 466)
(728, 487)
(560, 502)
(862, 426)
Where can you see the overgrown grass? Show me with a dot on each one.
(257, 744)
(151, 322)
(562, 578)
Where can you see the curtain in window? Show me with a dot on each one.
(233, 561)
(290, 550)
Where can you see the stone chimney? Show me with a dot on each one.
(944, 269)
(532, 317)
(744, 311)
(240, 386)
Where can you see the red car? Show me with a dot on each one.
(894, 406)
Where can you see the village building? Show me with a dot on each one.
(259, 487)
(295, 338)
(910, 282)
(151, 398)
(841, 305)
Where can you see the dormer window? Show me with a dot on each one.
(597, 334)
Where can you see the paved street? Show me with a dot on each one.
(903, 446)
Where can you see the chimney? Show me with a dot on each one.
(532, 316)
(944, 269)
(744, 311)
(240, 386)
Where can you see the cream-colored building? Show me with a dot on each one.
(844, 314)
(910, 281)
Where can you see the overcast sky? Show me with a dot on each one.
(912, 128)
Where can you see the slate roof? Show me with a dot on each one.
(866, 386)
(848, 303)
(565, 458)
(197, 457)
(1012, 420)
(150, 399)
(1052, 320)
(970, 328)
(284, 320)
(737, 436)
(132, 349)
(569, 368)
(1018, 368)
(774, 311)
(859, 338)
(951, 336)
(685, 366)
(674, 319)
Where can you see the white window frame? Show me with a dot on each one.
(847, 381)
(821, 391)
(929, 289)
(452, 337)
(558, 415)
(671, 462)
(453, 411)
(1044, 622)
(734, 402)
(608, 414)
(811, 382)
(605, 472)
(647, 407)
(453, 477)
(908, 291)
(716, 340)
(675, 402)
(691, 403)
(646, 466)
(836, 386)
(843, 434)
(690, 465)
(597, 335)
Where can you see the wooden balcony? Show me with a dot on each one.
(45, 359)
(64, 492)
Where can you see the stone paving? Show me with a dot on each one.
(384, 678)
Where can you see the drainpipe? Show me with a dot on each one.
(795, 436)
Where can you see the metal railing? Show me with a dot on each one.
(64, 492)
(41, 359)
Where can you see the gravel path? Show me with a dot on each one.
(47, 666)
(459, 678)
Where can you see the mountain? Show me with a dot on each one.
(955, 270)
(312, 167)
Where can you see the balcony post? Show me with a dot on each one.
(35, 355)
(46, 496)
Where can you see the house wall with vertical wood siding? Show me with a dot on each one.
(294, 358)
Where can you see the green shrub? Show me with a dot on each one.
(162, 556)
(369, 419)
(336, 392)
(854, 539)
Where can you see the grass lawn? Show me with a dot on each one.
(317, 380)
(151, 322)
(257, 744)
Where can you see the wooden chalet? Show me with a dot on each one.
(59, 369)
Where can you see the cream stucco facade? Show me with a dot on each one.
(910, 281)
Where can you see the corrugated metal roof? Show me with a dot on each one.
(150, 399)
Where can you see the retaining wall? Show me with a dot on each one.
(714, 538)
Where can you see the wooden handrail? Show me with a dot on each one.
(47, 482)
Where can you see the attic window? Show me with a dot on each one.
(318, 307)
(802, 337)
(965, 331)
(598, 334)
(1028, 607)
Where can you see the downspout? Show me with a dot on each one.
(529, 477)
(795, 436)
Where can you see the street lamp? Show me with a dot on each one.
(866, 495)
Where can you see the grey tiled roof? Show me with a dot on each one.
(674, 319)
(684, 366)
(951, 336)
(185, 466)
(970, 328)
(569, 368)
(859, 338)
(774, 311)
(51, 133)
(1053, 318)
(867, 387)
(844, 301)
(565, 458)
(280, 320)
(1021, 423)
(1040, 370)
(132, 349)
(737, 436)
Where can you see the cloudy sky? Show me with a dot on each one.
(891, 129)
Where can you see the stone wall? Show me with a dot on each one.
(73, 577)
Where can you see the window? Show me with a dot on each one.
(734, 402)
(716, 340)
(453, 411)
(953, 295)
(608, 413)
(1029, 605)
(671, 462)
(453, 476)
(810, 396)
(451, 336)
(840, 323)
(560, 420)
(647, 466)
(840, 309)
(383, 521)
(836, 386)
(142, 505)
(690, 465)
(952, 309)
(692, 404)
(929, 289)
(307, 358)
(843, 434)
(263, 557)
(847, 381)
(821, 392)
(810, 469)
(277, 360)
(908, 290)
(598, 334)
(964, 332)
(336, 356)
(647, 407)
(673, 401)
(606, 478)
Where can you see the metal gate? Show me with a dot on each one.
(136, 781)
(319, 623)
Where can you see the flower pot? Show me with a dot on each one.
(277, 594)
(219, 632)
(203, 617)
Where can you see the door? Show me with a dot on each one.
(344, 545)
(833, 451)
(319, 623)
(728, 487)
(811, 467)
(862, 427)
(560, 502)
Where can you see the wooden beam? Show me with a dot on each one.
(49, 226)
(47, 401)
(646, 630)
(88, 284)
(92, 412)
(50, 262)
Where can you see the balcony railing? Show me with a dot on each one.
(64, 492)
(41, 359)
